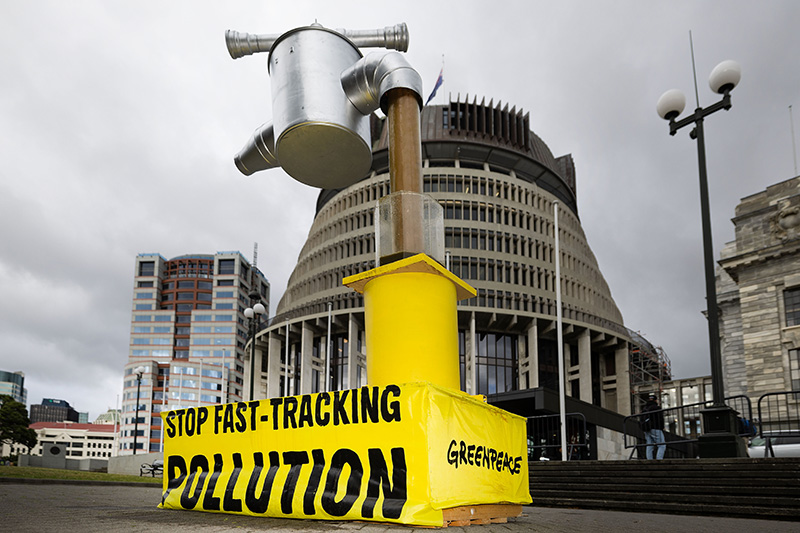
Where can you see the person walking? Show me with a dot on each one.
(653, 426)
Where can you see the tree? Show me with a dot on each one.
(15, 424)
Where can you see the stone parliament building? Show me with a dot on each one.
(758, 282)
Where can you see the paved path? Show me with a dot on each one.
(39, 508)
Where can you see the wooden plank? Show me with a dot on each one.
(480, 514)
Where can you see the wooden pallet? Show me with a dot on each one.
(468, 515)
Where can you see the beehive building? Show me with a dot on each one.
(498, 183)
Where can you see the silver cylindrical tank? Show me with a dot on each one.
(321, 139)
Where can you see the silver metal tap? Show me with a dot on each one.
(395, 37)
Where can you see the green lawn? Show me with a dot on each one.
(56, 473)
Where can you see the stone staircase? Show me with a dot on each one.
(748, 488)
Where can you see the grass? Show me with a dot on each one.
(30, 472)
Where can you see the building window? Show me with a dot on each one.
(794, 368)
(791, 300)
(339, 362)
(497, 363)
(147, 268)
(226, 266)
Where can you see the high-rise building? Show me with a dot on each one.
(498, 183)
(13, 384)
(52, 410)
(188, 334)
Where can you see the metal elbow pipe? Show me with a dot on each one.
(370, 78)
(258, 153)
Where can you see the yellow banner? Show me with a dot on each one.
(389, 454)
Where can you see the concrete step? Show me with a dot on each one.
(764, 488)
(722, 499)
(698, 508)
(708, 487)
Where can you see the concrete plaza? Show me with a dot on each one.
(36, 507)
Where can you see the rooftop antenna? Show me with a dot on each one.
(794, 144)
(253, 270)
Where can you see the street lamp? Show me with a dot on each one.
(254, 316)
(719, 421)
(139, 370)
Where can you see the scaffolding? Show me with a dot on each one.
(650, 367)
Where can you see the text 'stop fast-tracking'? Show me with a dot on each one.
(365, 405)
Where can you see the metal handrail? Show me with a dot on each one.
(779, 416)
(544, 437)
(677, 420)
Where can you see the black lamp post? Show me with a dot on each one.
(719, 421)
(253, 314)
(139, 370)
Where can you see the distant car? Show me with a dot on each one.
(782, 446)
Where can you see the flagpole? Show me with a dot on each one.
(560, 339)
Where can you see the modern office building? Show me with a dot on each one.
(498, 183)
(188, 334)
(13, 384)
(52, 410)
(758, 283)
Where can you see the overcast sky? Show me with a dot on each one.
(119, 121)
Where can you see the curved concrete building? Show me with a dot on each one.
(497, 182)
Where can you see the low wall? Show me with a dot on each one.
(88, 464)
(130, 464)
(610, 446)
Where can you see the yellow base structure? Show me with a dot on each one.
(399, 453)
(411, 321)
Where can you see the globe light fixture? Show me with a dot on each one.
(719, 437)
(253, 314)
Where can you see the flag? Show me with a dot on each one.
(436, 86)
